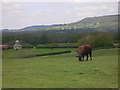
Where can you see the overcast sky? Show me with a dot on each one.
(23, 14)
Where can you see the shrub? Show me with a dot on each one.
(100, 40)
(58, 45)
(87, 40)
(50, 53)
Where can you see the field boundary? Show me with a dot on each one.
(105, 49)
(48, 54)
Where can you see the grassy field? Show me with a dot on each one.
(14, 54)
(60, 71)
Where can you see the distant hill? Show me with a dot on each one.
(90, 24)
(100, 19)
(41, 26)
(103, 23)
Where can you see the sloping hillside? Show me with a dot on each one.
(101, 23)
(106, 23)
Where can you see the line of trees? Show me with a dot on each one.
(96, 39)
(102, 39)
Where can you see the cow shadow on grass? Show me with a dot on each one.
(86, 60)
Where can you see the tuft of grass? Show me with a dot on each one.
(62, 71)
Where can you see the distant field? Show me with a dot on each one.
(60, 71)
(13, 54)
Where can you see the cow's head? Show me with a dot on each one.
(79, 55)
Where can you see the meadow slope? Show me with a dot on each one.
(61, 71)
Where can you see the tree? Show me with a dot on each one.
(86, 40)
(44, 39)
(102, 39)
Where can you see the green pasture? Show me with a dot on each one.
(59, 71)
(14, 54)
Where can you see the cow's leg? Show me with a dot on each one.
(87, 57)
(79, 58)
(90, 55)
(83, 58)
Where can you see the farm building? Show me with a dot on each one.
(3, 47)
(17, 45)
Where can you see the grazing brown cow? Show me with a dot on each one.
(83, 51)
